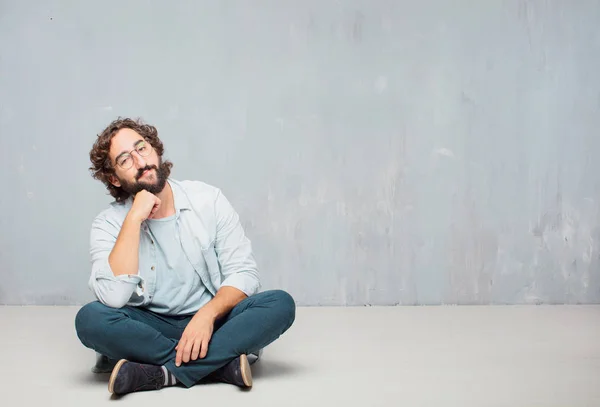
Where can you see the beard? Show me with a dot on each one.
(154, 187)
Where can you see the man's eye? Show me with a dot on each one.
(124, 161)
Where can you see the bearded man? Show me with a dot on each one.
(174, 275)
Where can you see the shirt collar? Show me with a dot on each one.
(180, 198)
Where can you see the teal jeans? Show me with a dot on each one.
(139, 335)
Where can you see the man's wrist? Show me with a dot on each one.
(207, 312)
(132, 219)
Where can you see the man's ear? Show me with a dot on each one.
(113, 180)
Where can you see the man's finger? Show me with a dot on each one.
(204, 351)
(179, 355)
(196, 348)
(186, 351)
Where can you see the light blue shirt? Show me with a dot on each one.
(179, 290)
(211, 237)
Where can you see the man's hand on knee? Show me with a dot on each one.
(195, 339)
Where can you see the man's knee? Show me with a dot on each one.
(91, 319)
(285, 306)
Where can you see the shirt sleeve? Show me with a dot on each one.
(113, 291)
(234, 249)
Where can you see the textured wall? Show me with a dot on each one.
(378, 152)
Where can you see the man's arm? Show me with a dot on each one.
(124, 257)
(111, 290)
(223, 303)
(234, 249)
(115, 261)
(240, 280)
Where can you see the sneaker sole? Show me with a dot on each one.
(113, 376)
(246, 371)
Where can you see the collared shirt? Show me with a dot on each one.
(211, 236)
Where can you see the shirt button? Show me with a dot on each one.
(152, 267)
(151, 241)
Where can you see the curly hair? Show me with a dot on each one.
(102, 168)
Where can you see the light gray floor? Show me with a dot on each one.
(400, 356)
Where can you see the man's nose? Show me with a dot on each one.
(138, 159)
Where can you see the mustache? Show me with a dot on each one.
(147, 167)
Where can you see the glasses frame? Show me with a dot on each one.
(138, 144)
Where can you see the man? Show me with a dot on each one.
(174, 275)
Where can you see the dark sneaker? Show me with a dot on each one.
(104, 364)
(236, 372)
(128, 377)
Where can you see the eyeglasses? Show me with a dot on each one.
(125, 160)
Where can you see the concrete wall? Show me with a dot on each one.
(378, 152)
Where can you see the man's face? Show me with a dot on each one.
(137, 166)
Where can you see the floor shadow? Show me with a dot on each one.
(272, 368)
(94, 378)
